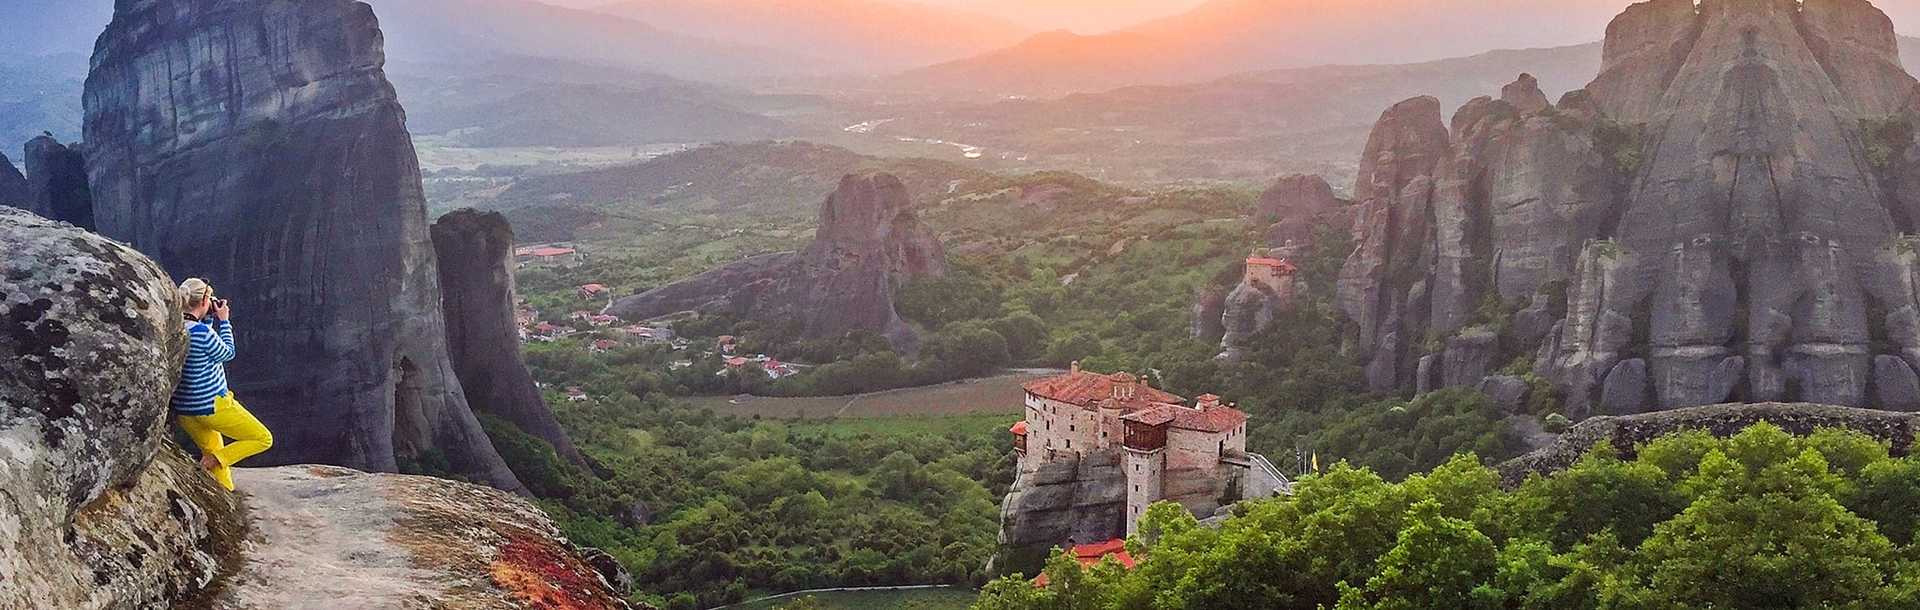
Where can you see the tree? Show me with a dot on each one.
(965, 350)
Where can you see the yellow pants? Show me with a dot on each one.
(230, 420)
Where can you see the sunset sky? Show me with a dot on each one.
(1085, 16)
(1094, 16)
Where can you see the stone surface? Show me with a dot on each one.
(1248, 309)
(474, 251)
(1295, 196)
(1896, 387)
(1469, 358)
(1626, 434)
(1524, 95)
(97, 510)
(260, 146)
(1625, 391)
(1507, 391)
(330, 537)
(57, 182)
(14, 191)
(868, 241)
(1716, 203)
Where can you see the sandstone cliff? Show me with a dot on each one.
(57, 182)
(867, 243)
(1290, 212)
(259, 145)
(99, 510)
(14, 191)
(1718, 216)
(1626, 433)
(475, 254)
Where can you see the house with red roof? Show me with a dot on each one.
(1167, 449)
(547, 255)
(1089, 555)
(588, 291)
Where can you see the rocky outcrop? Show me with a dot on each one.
(57, 182)
(260, 146)
(14, 191)
(1291, 211)
(1291, 206)
(403, 542)
(1080, 499)
(868, 242)
(1268, 287)
(474, 251)
(1719, 214)
(1627, 434)
(97, 510)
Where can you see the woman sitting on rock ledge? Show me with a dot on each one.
(205, 406)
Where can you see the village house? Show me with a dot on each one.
(1089, 555)
(547, 256)
(1274, 273)
(1168, 450)
(603, 345)
(588, 291)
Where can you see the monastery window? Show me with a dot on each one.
(1069, 443)
(1136, 488)
(1071, 427)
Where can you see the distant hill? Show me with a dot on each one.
(40, 95)
(478, 30)
(1224, 37)
(544, 102)
(861, 35)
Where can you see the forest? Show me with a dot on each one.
(1759, 520)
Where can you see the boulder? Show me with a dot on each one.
(1507, 391)
(474, 251)
(1896, 387)
(1524, 95)
(1625, 391)
(97, 508)
(868, 242)
(57, 182)
(283, 173)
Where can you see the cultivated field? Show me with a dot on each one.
(991, 395)
(929, 599)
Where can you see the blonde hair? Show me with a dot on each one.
(194, 292)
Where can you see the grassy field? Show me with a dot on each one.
(925, 599)
(910, 425)
(998, 396)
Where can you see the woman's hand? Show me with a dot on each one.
(221, 310)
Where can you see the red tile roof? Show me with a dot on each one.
(1278, 263)
(1019, 427)
(545, 252)
(1090, 555)
(1087, 389)
(1213, 419)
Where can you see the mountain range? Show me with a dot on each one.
(1225, 37)
(865, 36)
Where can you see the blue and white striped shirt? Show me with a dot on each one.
(209, 345)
